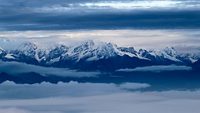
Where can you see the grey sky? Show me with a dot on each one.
(98, 14)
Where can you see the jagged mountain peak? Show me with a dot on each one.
(24, 50)
(170, 51)
(88, 43)
(95, 50)
(92, 50)
(28, 46)
(95, 44)
(1, 51)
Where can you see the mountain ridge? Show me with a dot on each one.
(93, 55)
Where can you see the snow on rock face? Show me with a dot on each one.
(9, 56)
(56, 52)
(1, 50)
(91, 50)
(170, 51)
(26, 49)
(169, 54)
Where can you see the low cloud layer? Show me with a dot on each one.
(157, 69)
(70, 89)
(15, 68)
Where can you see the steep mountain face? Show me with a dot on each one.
(92, 51)
(24, 53)
(196, 65)
(52, 55)
(91, 55)
(159, 57)
(168, 56)
(2, 53)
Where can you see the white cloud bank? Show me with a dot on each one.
(17, 68)
(70, 89)
(185, 40)
(132, 4)
(158, 68)
(119, 5)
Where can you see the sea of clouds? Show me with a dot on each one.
(75, 97)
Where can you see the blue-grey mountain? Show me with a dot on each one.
(92, 55)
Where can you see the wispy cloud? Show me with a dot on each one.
(132, 4)
(121, 5)
(20, 68)
(157, 68)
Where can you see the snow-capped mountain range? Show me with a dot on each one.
(93, 55)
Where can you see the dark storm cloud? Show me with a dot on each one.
(93, 14)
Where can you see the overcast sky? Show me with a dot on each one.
(98, 14)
